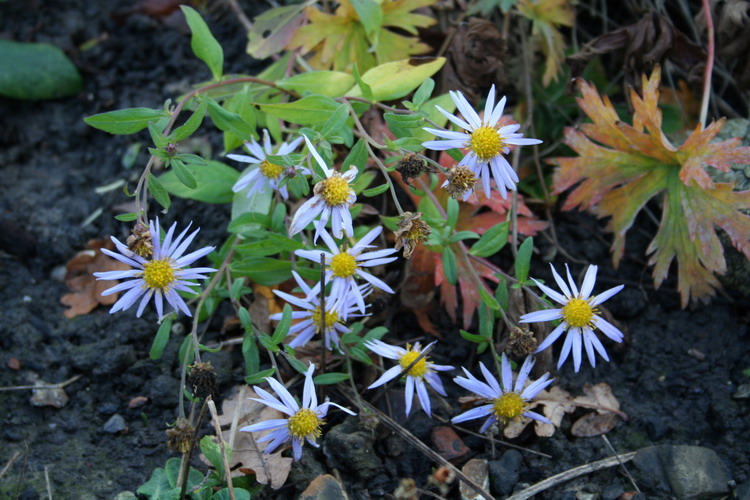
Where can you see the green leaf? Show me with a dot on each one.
(157, 136)
(157, 486)
(334, 124)
(296, 363)
(283, 327)
(357, 157)
(455, 154)
(364, 88)
(158, 192)
(478, 339)
(492, 241)
(125, 121)
(376, 190)
(250, 352)
(259, 377)
(523, 259)
(239, 494)
(161, 339)
(424, 92)
(488, 299)
(394, 80)
(214, 181)
(449, 265)
(306, 111)
(36, 71)
(501, 292)
(203, 43)
(241, 104)
(172, 470)
(227, 121)
(462, 235)
(370, 15)
(191, 124)
(327, 83)
(183, 174)
(453, 209)
(330, 378)
(248, 223)
(262, 270)
(212, 451)
(131, 216)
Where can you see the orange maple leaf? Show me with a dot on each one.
(620, 167)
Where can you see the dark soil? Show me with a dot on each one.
(51, 162)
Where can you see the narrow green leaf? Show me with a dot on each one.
(488, 299)
(161, 339)
(131, 216)
(283, 327)
(296, 363)
(227, 121)
(182, 172)
(191, 124)
(157, 136)
(449, 265)
(453, 209)
(455, 154)
(463, 235)
(364, 88)
(306, 111)
(327, 83)
(330, 378)
(370, 15)
(236, 290)
(203, 43)
(248, 222)
(250, 353)
(357, 157)
(492, 241)
(334, 122)
(125, 121)
(523, 259)
(158, 192)
(472, 337)
(376, 190)
(212, 452)
(424, 92)
(259, 377)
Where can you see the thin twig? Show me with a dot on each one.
(571, 474)
(182, 479)
(622, 465)
(241, 17)
(414, 441)
(10, 462)
(224, 458)
(50, 386)
(49, 486)
(709, 63)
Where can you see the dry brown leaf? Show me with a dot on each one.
(557, 402)
(601, 421)
(594, 424)
(247, 454)
(86, 290)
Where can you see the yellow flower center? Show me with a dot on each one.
(158, 273)
(419, 369)
(508, 406)
(332, 317)
(485, 142)
(305, 423)
(343, 265)
(335, 190)
(577, 313)
(270, 171)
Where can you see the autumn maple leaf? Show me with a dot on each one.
(621, 167)
(339, 40)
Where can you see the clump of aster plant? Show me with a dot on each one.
(411, 230)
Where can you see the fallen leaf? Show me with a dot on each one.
(557, 402)
(269, 469)
(601, 421)
(86, 291)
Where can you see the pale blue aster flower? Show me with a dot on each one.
(579, 317)
(303, 422)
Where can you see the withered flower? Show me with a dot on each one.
(203, 380)
(179, 436)
(140, 241)
(411, 230)
(411, 166)
(460, 182)
(522, 342)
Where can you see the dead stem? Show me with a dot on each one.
(49, 386)
(225, 460)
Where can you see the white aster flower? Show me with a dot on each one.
(343, 265)
(266, 174)
(161, 276)
(506, 402)
(579, 317)
(332, 199)
(336, 312)
(303, 422)
(415, 377)
(486, 143)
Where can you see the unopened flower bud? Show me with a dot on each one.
(171, 149)
(460, 181)
(140, 241)
(411, 230)
(179, 436)
(411, 166)
(203, 380)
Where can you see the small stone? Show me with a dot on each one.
(613, 492)
(655, 428)
(324, 487)
(447, 442)
(742, 392)
(743, 491)
(349, 448)
(477, 470)
(504, 472)
(115, 424)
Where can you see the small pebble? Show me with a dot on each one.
(115, 424)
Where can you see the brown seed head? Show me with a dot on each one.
(179, 436)
(521, 343)
(411, 230)
(140, 241)
(411, 166)
(460, 180)
(203, 380)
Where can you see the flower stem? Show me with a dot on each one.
(709, 63)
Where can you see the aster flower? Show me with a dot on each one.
(336, 312)
(161, 276)
(506, 402)
(579, 317)
(343, 265)
(486, 143)
(423, 370)
(303, 422)
(332, 199)
(266, 174)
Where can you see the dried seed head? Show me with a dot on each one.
(521, 343)
(441, 479)
(407, 490)
(140, 241)
(411, 230)
(411, 166)
(179, 436)
(203, 380)
(460, 180)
